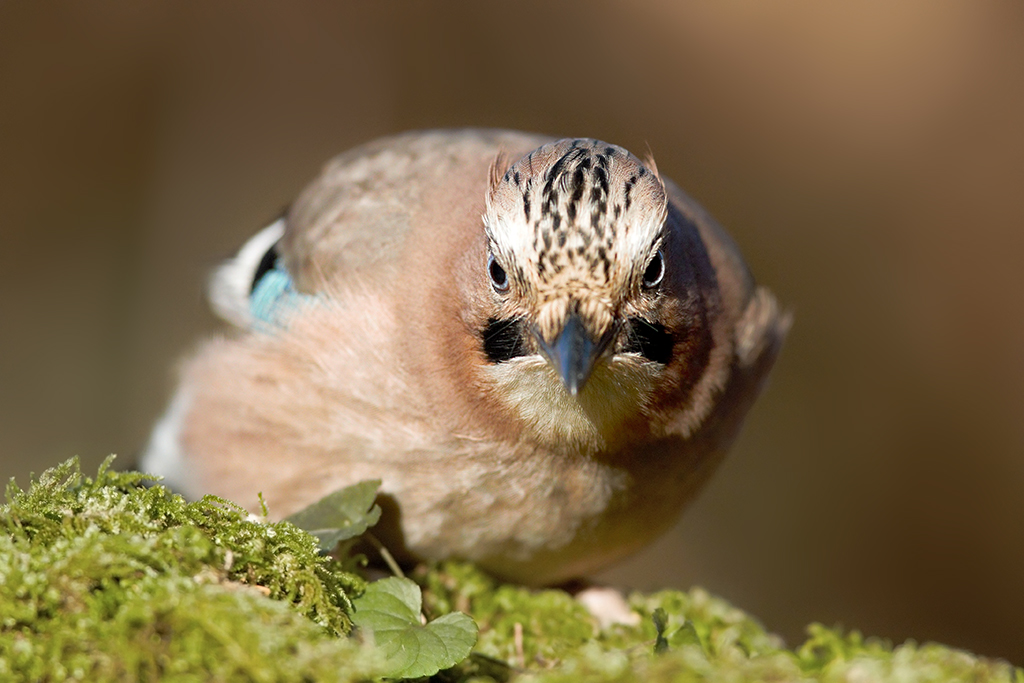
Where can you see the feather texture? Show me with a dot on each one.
(418, 367)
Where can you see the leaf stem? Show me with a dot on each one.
(389, 560)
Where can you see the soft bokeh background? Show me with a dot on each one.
(868, 157)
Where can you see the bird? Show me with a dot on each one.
(541, 347)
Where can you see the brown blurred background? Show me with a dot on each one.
(868, 157)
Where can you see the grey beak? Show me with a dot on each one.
(573, 353)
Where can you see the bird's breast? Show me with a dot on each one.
(539, 516)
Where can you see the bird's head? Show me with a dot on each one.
(584, 300)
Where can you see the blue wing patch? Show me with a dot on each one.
(274, 298)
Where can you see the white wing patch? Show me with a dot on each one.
(231, 283)
(163, 453)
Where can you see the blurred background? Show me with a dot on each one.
(868, 157)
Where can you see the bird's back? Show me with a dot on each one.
(354, 220)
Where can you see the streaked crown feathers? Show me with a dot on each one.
(574, 223)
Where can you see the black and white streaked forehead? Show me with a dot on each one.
(576, 206)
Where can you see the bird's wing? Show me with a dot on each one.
(747, 323)
(350, 225)
(758, 322)
(231, 284)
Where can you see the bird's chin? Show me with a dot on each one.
(618, 390)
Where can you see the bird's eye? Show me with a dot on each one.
(499, 278)
(655, 271)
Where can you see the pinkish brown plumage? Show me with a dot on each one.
(543, 360)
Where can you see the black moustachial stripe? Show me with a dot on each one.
(503, 340)
(650, 340)
(267, 264)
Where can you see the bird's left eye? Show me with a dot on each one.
(499, 278)
(655, 271)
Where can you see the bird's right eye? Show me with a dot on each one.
(655, 271)
(499, 278)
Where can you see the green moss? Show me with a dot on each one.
(707, 638)
(105, 579)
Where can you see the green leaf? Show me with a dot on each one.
(390, 611)
(341, 515)
(660, 619)
(685, 635)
